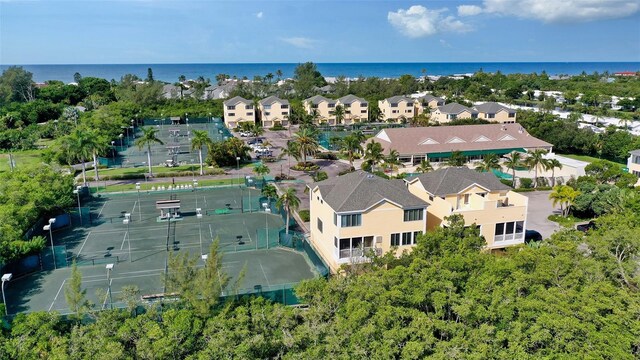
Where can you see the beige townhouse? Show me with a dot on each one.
(452, 111)
(356, 109)
(274, 111)
(494, 112)
(358, 213)
(238, 110)
(321, 108)
(633, 164)
(427, 103)
(397, 108)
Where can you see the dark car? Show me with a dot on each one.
(586, 227)
(532, 235)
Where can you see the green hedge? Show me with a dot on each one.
(133, 176)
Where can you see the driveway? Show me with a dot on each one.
(540, 207)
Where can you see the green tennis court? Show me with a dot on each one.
(139, 248)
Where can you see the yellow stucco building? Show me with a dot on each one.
(633, 164)
(397, 108)
(238, 110)
(274, 111)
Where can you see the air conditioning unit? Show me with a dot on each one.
(378, 239)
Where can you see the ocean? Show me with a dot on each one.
(171, 72)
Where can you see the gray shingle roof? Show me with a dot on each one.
(236, 100)
(349, 99)
(492, 108)
(358, 191)
(272, 99)
(452, 180)
(635, 152)
(455, 108)
(318, 99)
(396, 99)
(429, 97)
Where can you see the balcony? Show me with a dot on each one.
(358, 252)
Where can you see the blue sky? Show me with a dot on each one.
(163, 31)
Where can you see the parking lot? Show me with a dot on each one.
(540, 207)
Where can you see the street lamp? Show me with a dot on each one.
(113, 148)
(48, 228)
(121, 141)
(126, 221)
(266, 220)
(77, 192)
(139, 210)
(133, 135)
(199, 216)
(109, 268)
(5, 278)
(238, 169)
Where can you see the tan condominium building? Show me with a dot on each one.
(322, 109)
(359, 213)
(633, 164)
(451, 112)
(494, 112)
(397, 108)
(356, 109)
(274, 111)
(480, 198)
(238, 110)
(427, 103)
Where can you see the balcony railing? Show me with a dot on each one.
(509, 237)
(358, 252)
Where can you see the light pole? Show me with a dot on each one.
(126, 129)
(77, 192)
(5, 278)
(133, 135)
(113, 148)
(126, 221)
(199, 216)
(204, 258)
(238, 168)
(109, 268)
(139, 210)
(210, 118)
(266, 220)
(195, 189)
(120, 136)
(48, 228)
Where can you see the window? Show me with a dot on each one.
(395, 239)
(249, 113)
(364, 105)
(466, 199)
(409, 104)
(267, 113)
(363, 111)
(491, 116)
(248, 107)
(284, 113)
(320, 225)
(314, 106)
(394, 111)
(452, 116)
(331, 105)
(513, 230)
(351, 220)
(231, 114)
(413, 215)
(408, 111)
(284, 106)
(267, 107)
(335, 242)
(474, 116)
(394, 105)
(415, 236)
(347, 106)
(231, 107)
(406, 238)
(512, 115)
(430, 197)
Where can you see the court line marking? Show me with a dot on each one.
(102, 208)
(211, 231)
(264, 273)
(106, 295)
(83, 243)
(133, 210)
(58, 293)
(123, 239)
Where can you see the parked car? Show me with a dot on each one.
(586, 227)
(532, 235)
(245, 134)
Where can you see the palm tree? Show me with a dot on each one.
(351, 146)
(291, 150)
(77, 147)
(425, 166)
(97, 144)
(279, 74)
(489, 162)
(457, 158)
(553, 164)
(536, 160)
(288, 201)
(256, 130)
(373, 154)
(200, 140)
(261, 170)
(147, 139)
(565, 196)
(270, 191)
(514, 161)
(339, 114)
(307, 143)
(393, 160)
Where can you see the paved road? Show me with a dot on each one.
(540, 207)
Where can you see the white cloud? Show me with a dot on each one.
(259, 15)
(444, 43)
(469, 10)
(300, 42)
(551, 11)
(418, 21)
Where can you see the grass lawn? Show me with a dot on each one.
(568, 221)
(588, 159)
(21, 158)
(145, 187)
(143, 170)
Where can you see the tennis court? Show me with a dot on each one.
(130, 232)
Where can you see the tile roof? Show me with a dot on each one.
(236, 100)
(453, 180)
(317, 99)
(435, 139)
(492, 108)
(455, 108)
(358, 191)
(273, 99)
(349, 99)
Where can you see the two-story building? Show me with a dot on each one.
(633, 164)
(397, 108)
(356, 109)
(274, 111)
(321, 108)
(494, 112)
(427, 103)
(360, 212)
(480, 198)
(451, 112)
(238, 110)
